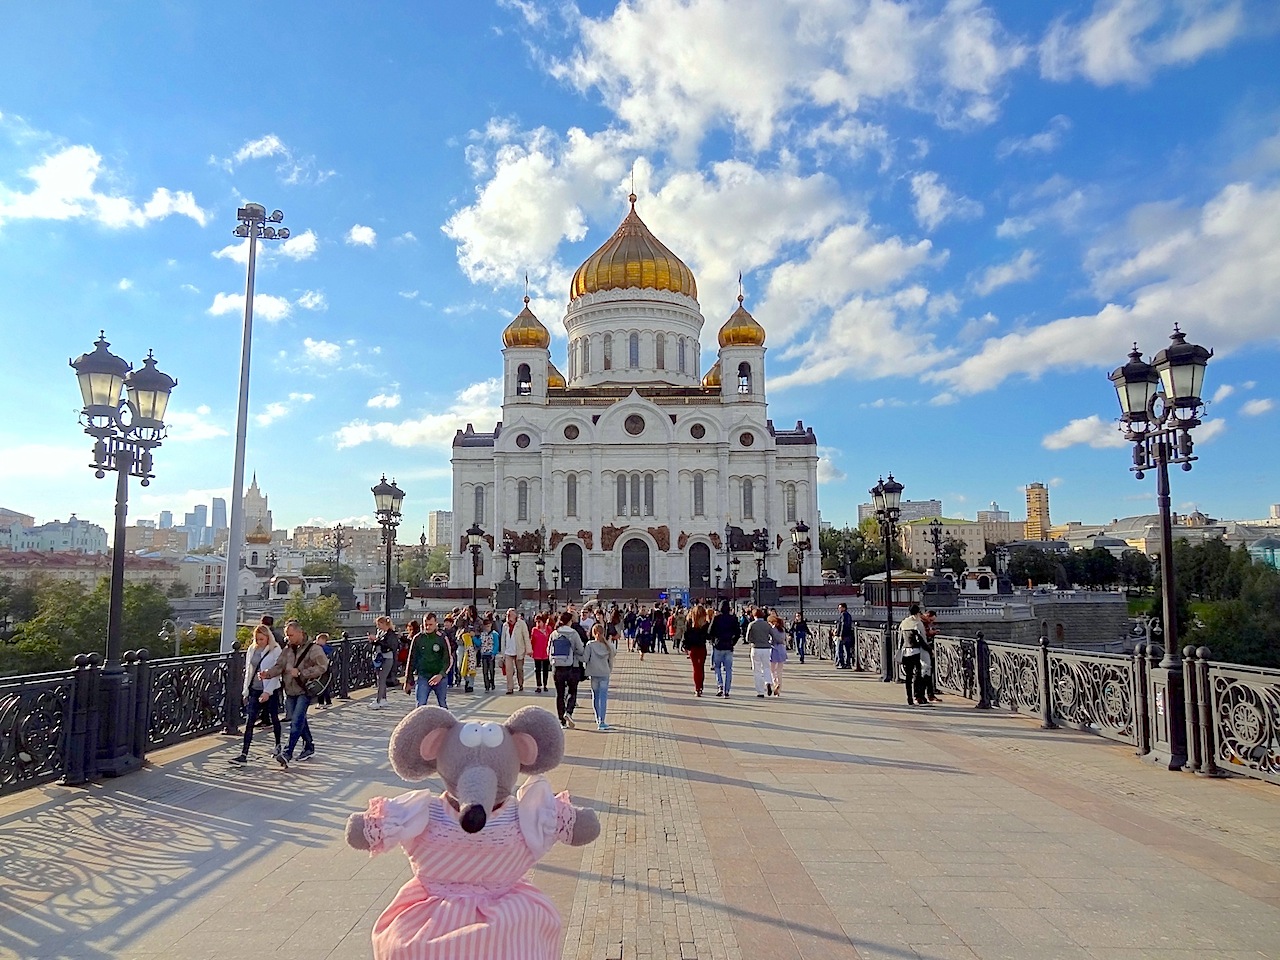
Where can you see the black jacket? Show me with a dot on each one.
(725, 631)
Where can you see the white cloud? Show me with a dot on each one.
(480, 404)
(406, 237)
(124, 284)
(828, 472)
(302, 397)
(321, 351)
(292, 167)
(1127, 41)
(1091, 430)
(268, 146)
(935, 202)
(1046, 141)
(65, 188)
(409, 294)
(300, 246)
(313, 300)
(266, 306)
(1020, 268)
(384, 400)
(1253, 408)
(1210, 430)
(362, 236)
(1222, 393)
(192, 426)
(279, 409)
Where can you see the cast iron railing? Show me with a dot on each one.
(34, 711)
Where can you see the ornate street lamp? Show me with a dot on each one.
(935, 540)
(555, 587)
(734, 566)
(1158, 422)
(125, 429)
(540, 565)
(515, 565)
(475, 537)
(387, 499)
(719, 573)
(255, 224)
(887, 496)
(800, 539)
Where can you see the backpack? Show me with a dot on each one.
(561, 645)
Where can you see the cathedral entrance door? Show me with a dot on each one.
(571, 571)
(700, 570)
(635, 565)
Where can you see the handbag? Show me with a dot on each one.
(312, 688)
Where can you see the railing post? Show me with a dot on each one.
(1046, 688)
(139, 666)
(1190, 712)
(888, 665)
(233, 698)
(1208, 725)
(342, 668)
(1141, 704)
(982, 669)
(82, 734)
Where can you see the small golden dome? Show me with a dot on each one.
(633, 257)
(712, 379)
(741, 329)
(555, 379)
(259, 535)
(526, 330)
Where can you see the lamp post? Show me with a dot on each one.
(935, 540)
(387, 499)
(515, 566)
(255, 223)
(887, 495)
(271, 572)
(475, 537)
(540, 565)
(800, 538)
(125, 430)
(734, 566)
(760, 547)
(1158, 422)
(719, 573)
(399, 555)
(555, 587)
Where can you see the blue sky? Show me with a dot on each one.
(952, 218)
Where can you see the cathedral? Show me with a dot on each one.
(636, 472)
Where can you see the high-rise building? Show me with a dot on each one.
(166, 519)
(256, 511)
(439, 527)
(908, 510)
(1037, 511)
(994, 515)
(219, 513)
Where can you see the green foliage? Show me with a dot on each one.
(177, 589)
(1027, 565)
(1135, 570)
(314, 616)
(953, 556)
(856, 553)
(346, 573)
(202, 638)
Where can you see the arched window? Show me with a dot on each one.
(662, 351)
(635, 494)
(699, 495)
(522, 500)
(789, 495)
(744, 377)
(622, 494)
(479, 511)
(253, 559)
(648, 494)
(573, 359)
(586, 355)
(680, 352)
(571, 495)
(608, 351)
(524, 381)
(748, 500)
(633, 351)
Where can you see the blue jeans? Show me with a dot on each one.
(599, 696)
(296, 708)
(801, 638)
(722, 663)
(424, 690)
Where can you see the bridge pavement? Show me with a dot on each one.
(831, 823)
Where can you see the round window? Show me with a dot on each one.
(697, 431)
(571, 432)
(634, 424)
(522, 441)
(747, 439)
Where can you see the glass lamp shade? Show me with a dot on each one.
(761, 548)
(397, 499)
(540, 565)
(384, 497)
(734, 565)
(149, 391)
(892, 494)
(555, 572)
(101, 375)
(475, 535)
(719, 571)
(877, 496)
(800, 535)
(1181, 369)
(1135, 383)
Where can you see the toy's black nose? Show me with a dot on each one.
(473, 818)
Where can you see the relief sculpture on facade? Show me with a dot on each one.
(661, 536)
(609, 535)
(585, 537)
(556, 538)
(682, 540)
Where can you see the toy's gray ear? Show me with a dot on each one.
(543, 729)
(416, 742)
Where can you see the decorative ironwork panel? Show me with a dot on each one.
(33, 723)
(1014, 677)
(360, 672)
(1094, 692)
(187, 697)
(868, 640)
(1246, 719)
(953, 665)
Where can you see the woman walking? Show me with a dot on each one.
(539, 639)
(644, 633)
(598, 663)
(778, 655)
(261, 693)
(385, 646)
(696, 634)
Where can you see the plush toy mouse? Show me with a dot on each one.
(471, 846)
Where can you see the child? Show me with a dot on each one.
(490, 642)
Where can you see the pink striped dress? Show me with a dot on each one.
(468, 898)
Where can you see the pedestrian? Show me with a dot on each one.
(515, 647)
(385, 645)
(724, 637)
(778, 655)
(659, 621)
(629, 627)
(302, 660)
(261, 691)
(800, 635)
(911, 643)
(598, 666)
(428, 666)
(411, 630)
(644, 632)
(930, 621)
(539, 639)
(697, 631)
(677, 625)
(490, 643)
(325, 700)
(844, 651)
(467, 654)
(566, 653)
(613, 627)
(760, 640)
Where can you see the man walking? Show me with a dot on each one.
(844, 650)
(516, 644)
(760, 640)
(911, 642)
(428, 666)
(725, 633)
(301, 661)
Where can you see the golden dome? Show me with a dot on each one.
(633, 257)
(741, 329)
(555, 379)
(712, 379)
(526, 330)
(259, 535)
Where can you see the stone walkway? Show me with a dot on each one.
(830, 823)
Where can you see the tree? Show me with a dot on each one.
(953, 556)
(346, 573)
(177, 589)
(1135, 570)
(1099, 568)
(314, 616)
(1029, 565)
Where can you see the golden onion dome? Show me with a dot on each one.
(633, 257)
(741, 329)
(555, 379)
(712, 378)
(260, 535)
(526, 330)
